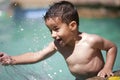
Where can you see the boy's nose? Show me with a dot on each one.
(54, 34)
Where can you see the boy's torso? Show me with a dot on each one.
(82, 59)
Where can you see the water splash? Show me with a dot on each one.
(18, 72)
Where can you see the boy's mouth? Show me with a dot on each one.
(59, 40)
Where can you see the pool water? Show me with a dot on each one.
(31, 34)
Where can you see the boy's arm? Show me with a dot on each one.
(111, 51)
(30, 57)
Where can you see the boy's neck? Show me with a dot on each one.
(76, 39)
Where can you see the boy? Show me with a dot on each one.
(81, 51)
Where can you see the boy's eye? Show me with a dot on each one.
(55, 29)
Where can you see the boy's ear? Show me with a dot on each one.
(73, 25)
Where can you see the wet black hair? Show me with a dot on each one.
(64, 10)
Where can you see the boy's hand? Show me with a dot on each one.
(105, 73)
(5, 59)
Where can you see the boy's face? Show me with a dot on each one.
(61, 32)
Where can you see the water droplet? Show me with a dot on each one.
(21, 29)
(49, 75)
(60, 70)
(44, 36)
(15, 4)
(10, 16)
(55, 73)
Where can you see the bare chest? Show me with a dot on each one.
(78, 53)
(82, 58)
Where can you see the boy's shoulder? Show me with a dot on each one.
(91, 38)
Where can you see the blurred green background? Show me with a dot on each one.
(22, 29)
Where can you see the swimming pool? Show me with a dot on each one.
(30, 34)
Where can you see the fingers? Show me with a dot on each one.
(6, 61)
(101, 75)
(104, 75)
(4, 58)
(111, 74)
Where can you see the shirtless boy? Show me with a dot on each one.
(81, 51)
